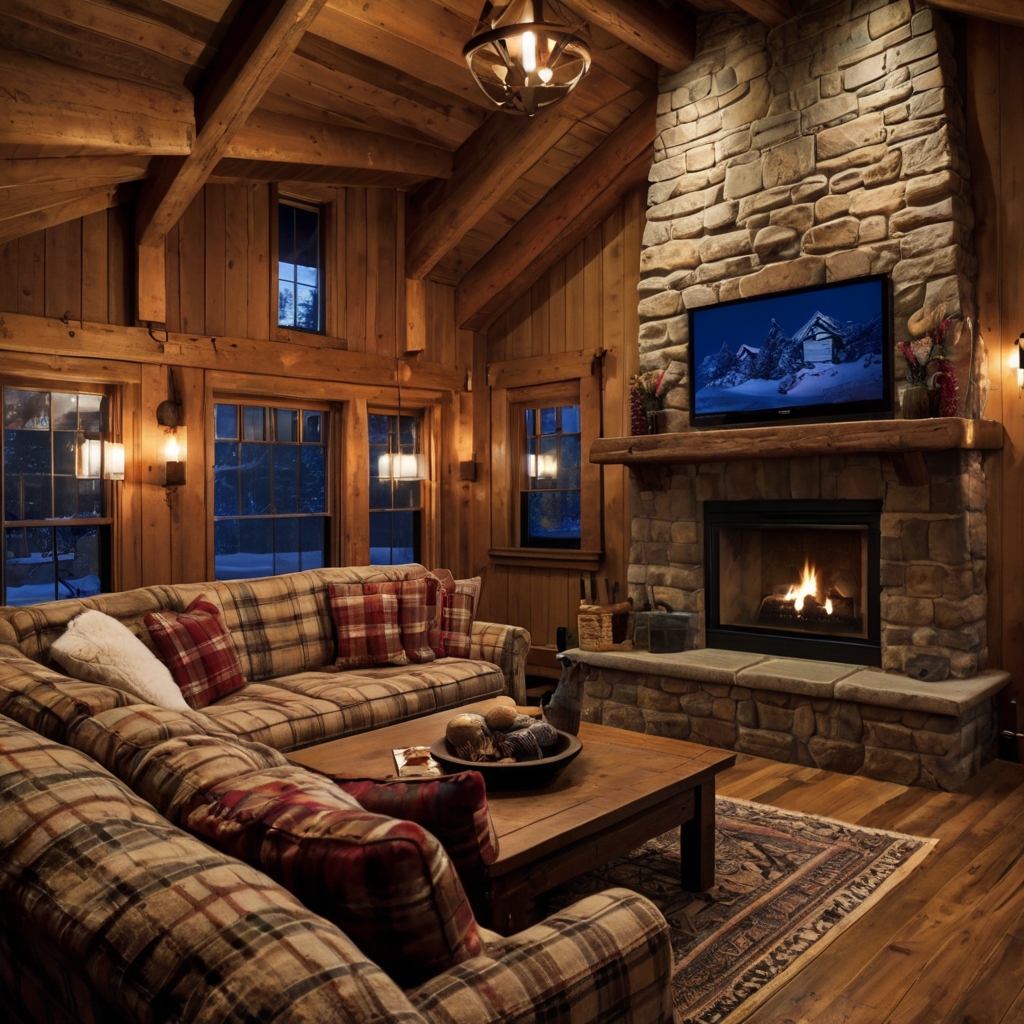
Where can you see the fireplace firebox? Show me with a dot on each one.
(794, 578)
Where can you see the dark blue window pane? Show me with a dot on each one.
(311, 533)
(286, 232)
(380, 494)
(65, 497)
(313, 494)
(312, 427)
(65, 452)
(307, 310)
(90, 412)
(286, 546)
(27, 409)
(380, 538)
(225, 478)
(79, 572)
(378, 428)
(554, 516)
(285, 302)
(548, 421)
(404, 544)
(253, 423)
(531, 422)
(569, 462)
(225, 548)
(286, 425)
(286, 478)
(570, 419)
(255, 482)
(406, 494)
(90, 498)
(410, 429)
(27, 481)
(243, 548)
(31, 569)
(307, 241)
(226, 417)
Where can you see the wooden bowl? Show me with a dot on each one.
(521, 774)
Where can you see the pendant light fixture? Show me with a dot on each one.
(401, 465)
(527, 55)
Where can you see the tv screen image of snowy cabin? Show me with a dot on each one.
(818, 347)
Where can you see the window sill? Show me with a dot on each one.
(549, 558)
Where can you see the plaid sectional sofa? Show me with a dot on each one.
(162, 865)
(284, 635)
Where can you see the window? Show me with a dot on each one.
(299, 267)
(270, 490)
(396, 505)
(56, 530)
(549, 488)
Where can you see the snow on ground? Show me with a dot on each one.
(827, 383)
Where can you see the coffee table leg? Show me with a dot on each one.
(697, 841)
(511, 911)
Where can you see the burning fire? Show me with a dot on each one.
(808, 588)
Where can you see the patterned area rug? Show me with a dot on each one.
(786, 885)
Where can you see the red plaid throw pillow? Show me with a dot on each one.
(458, 609)
(199, 651)
(367, 628)
(416, 599)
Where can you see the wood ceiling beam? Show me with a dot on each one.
(50, 104)
(1010, 12)
(486, 166)
(282, 139)
(771, 12)
(253, 54)
(99, 169)
(527, 250)
(667, 37)
(71, 206)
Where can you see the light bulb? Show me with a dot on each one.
(545, 75)
(529, 52)
(171, 450)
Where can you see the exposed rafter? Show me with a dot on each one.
(772, 12)
(77, 203)
(667, 37)
(93, 169)
(1011, 12)
(250, 59)
(282, 139)
(525, 251)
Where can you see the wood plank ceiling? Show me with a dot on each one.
(146, 100)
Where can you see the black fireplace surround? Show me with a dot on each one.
(794, 578)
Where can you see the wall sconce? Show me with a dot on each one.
(402, 467)
(88, 457)
(175, 448)
(113, 460)
(1020, 363)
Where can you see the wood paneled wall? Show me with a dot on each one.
(220, 286)
(995, 119)
(586, 302)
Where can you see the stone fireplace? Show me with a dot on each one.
(829, 148)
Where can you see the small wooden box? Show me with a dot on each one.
(604, 627)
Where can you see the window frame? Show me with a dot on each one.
(282, 331)
(330, 444)
(508, 444)
(108, 523)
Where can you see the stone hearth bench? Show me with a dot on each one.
(845, 718)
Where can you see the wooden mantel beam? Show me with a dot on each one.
(771, 12)
(535, 243)
(283, 139)
(1010, 12)
(254, 52)
(667, 37)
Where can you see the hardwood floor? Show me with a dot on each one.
(948, 944)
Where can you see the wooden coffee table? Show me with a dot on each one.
(623, 789)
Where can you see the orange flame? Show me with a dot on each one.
(808, 587)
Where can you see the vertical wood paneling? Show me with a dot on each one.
(94, 268)
(355, 498)
(172, 278)
(258, 262)
(236, 268)
(355, 267)
(155, 518)
(192, 256)
(215, 238)
(9, 276)
(31, 274)
(120, 266)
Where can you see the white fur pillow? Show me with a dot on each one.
(99, 649)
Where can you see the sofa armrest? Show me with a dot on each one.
(607, 957)
(506, 647)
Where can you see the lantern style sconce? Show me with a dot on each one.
(394, 466)
(543, 467)
(113, 460)
(527, 55)
(173, 456)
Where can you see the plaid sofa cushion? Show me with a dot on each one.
(386, 883)
(198, 650)
(453, 808)
(130, 919)
(367, 629)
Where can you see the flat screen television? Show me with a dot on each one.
(811, 354)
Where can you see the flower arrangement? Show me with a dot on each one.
(929, 368)
(645, 396)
